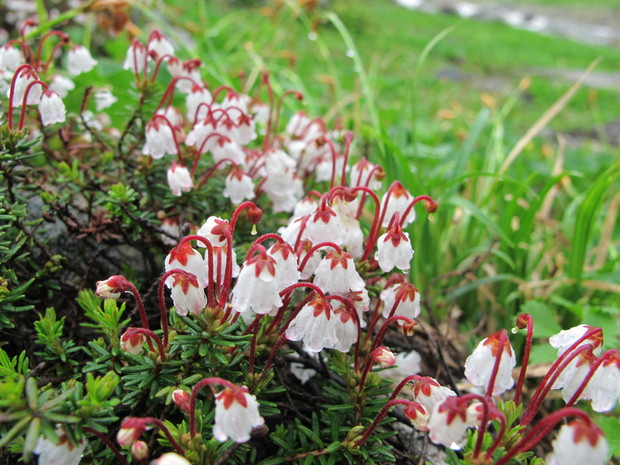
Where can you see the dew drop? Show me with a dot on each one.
(350, 53)
(312, 35)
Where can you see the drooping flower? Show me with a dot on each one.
(286, 261)
(336, 274)
(158, 45)
(187, 294)
(396, 200)
(566, 338)
(419, 416)
(604, 386)
(401, 299)
(61, 85)
(238, 187)
(314, 326)
(11, 58)
(135, 59)
(429, 392)
(236, 414)
(179, 179)
(184, 257)
(257, 287)
(448, 423)
(79, 60)
(577, 443)
(394, 249)
(159, 139)
(104, 99)
(25, 77)
(479, 366)
(51, 108)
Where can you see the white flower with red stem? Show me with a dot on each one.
(394, 247)
(491, 363)
(257, 287)
(236, 410)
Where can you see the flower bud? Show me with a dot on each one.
(112, 287)
(384, 357)
(132, 341)
(181, 399)
(131, 430)
(140, 450)
(408, 328)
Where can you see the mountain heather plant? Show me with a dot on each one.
(282, 294)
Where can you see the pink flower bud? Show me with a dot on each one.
(384, 356)
(140, 450)
(131, 430)
(112, 287)
(132, 341)
(181, 399)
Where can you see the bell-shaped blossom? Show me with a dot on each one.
(159, 139)
(61, 85)
(238, 187)
(429, 392)
(11, 58)
(480, 365)
(345, 329)
(324, 226)
(26, 77)
(135, 59)
(579, 442)
(257, 286)
(314, 325)
(396, 200)
(215, 229)
(418, 415)
(366, 174)
(104, 99)
(401, 299)
(63, 452)
(133, 342)
(187, 294)
(604, 386)
(158, 45)
(394, 249)
(227, 149)
(313, 261)
(448, 423)
(305, 206)
(79, 60)
(179, 179)
(574, 374)
(336, 274)
(185, 258)
(51, 108)
(236, 414)
(245, 129)
(170, 227)
(298, 122)
(196, 104)
(286, 261)
(566, 338)
(281, 184)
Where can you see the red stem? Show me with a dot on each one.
(192, 401)
(529, 324)
(108, 443)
